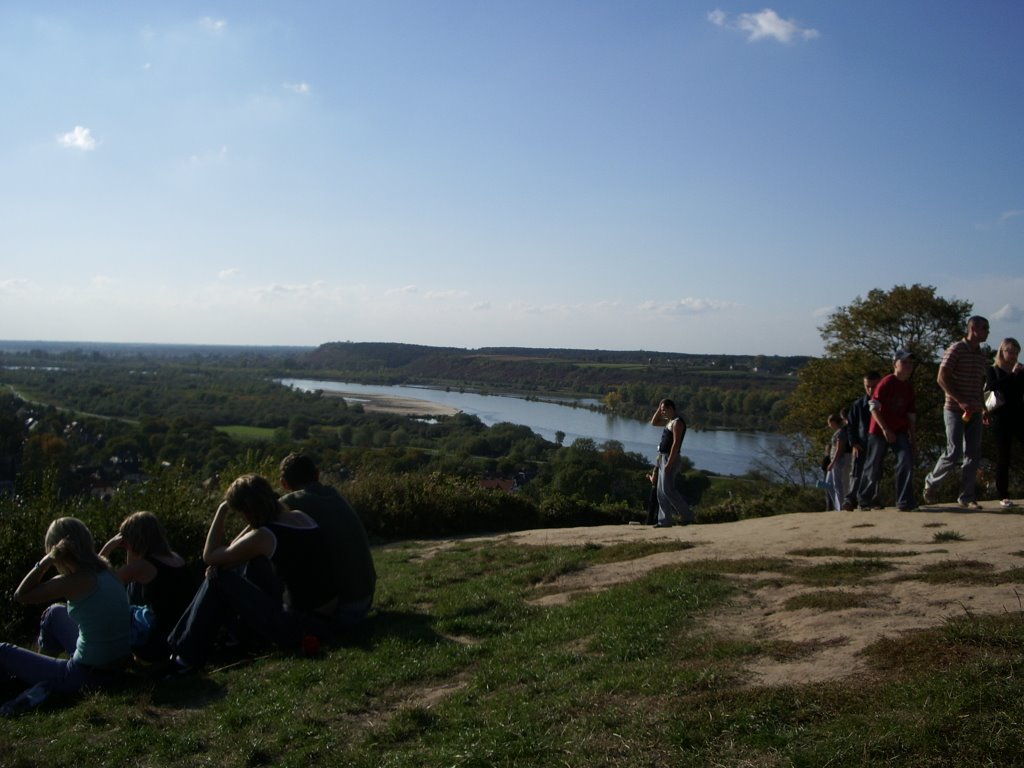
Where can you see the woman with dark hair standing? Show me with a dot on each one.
(293, 543)
(1006, 379)
(670, 501)
(92, 627)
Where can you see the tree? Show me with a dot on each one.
(864, 336)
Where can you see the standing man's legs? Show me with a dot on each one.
(904, 472)
(872, 470)
(859, 460)
(954, 450)
(972, 459)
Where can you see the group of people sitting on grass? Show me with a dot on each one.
(297, 575)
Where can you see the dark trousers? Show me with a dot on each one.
(253, 613)
(1004, 432)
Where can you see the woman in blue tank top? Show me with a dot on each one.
(92, 627)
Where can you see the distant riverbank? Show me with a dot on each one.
(724, 452)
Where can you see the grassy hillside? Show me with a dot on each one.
(460, 666)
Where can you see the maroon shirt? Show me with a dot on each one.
(897, 399)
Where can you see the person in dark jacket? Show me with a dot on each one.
(352, 570)
(858, 421)
(1006, 378)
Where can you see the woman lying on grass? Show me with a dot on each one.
(238, 589)
(159, 583)
(92, 628)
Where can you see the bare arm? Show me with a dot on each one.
(250, 543)
(33, 589)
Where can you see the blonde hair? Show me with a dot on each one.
(144, 534)
(71, 546)
(1007, 342)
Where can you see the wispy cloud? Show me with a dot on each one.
(686, 306)
(210, 24)
(226, 274)
(763, 25)
(823, 311)
(304, 89)
(403, 290)
(102, 281)
(1007, 215)
(1008, 313)
(15, 286)
(480, 306)
(78, 138)
(218, 156)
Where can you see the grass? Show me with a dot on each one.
(247, 433)
(940, 536)
(458, 668)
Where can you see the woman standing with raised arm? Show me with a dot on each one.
(670, 501)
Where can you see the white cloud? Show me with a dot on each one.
(764, 25)
(225, 274)
(480, 306)
(303, 89)
(823, 311)
(213, 25)
(79, 138)
(13, 287)
(686, 306)
(214, 157)
(1008, 313)
(1007, 215)
(102, 281)
(403, 289)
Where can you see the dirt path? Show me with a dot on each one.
(831, 639)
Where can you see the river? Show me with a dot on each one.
(725, 452)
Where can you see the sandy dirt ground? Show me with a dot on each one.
(405, 406)
(989, 540)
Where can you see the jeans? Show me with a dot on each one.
(58, 633)
(962, 440)
(254, 613)
(670, 501)
(877, 448)
(835, 482)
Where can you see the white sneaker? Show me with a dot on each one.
(1006, 504)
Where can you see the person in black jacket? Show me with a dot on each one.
(858, 421)
(1006, 377)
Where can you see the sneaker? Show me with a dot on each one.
(926, 495)
(908, 509)
(849, 506)
(970, 505)
(1006, 504)
(865, 507)
(26, 700)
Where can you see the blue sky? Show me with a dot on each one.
(675, 176)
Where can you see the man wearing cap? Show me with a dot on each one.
(893, 414)
(962, 378)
